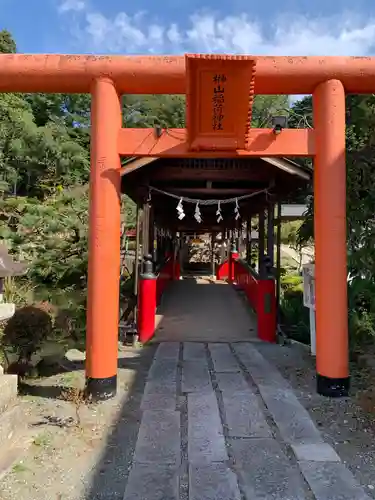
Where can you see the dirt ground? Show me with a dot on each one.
(89, 457)
(86, 457)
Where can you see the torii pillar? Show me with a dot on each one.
(332, 350)
(104, 242)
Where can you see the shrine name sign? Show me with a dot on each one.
(219, 100)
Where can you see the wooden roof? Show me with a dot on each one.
(210, 179)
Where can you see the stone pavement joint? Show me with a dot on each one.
(223, 359)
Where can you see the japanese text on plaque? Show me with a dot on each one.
(218, 102)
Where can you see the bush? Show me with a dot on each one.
(26, 330)
(292, 282)
(294, 315)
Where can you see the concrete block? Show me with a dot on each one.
(8, 390)
(152, 482)
(223, 359)
(292, 419)
(195, 376)
(205, 432)
(321, 452)
(194, 350)
(243, 415)
(213, 482)
(232, 382)
(265, 472)
(332, 481)
(159, 438)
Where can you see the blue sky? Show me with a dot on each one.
(274, 27)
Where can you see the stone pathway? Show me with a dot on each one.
(219, 422)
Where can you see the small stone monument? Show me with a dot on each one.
(8, 268)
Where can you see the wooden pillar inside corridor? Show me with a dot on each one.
(213, 266)
(278, 259)
(332, 363)
(270, 233)
(104, 242)
(261, 235)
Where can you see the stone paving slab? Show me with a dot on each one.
(332, 481)
(205, 432)
(244, 417)
(223, 359)
(322, 452)
(195, 376)
(168, 350)
(265, 472)
(163, 371)
(231, 382)
(292, 419)
(159, 396)
(159, 439)
(213, 482)
(259, 368)
(194, 350)
(152, 482)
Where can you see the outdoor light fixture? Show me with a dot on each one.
(158, 131)
(279, 122)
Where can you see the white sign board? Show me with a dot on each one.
(308, 274)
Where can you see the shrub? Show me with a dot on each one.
(26, 330)
(294, 315)
(292, 282)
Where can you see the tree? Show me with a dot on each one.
(7, 43)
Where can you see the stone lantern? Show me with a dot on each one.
(8, 268)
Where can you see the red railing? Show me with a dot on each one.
(261, 294)
(164, 276)
(223, 269)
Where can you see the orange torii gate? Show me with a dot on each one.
(107, 77)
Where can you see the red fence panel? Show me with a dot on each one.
(261, 294)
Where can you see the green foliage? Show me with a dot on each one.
(291, 282)
(294, 315)
(26, 331)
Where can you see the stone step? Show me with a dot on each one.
(8, 391)
(12, 423)
(15, 437)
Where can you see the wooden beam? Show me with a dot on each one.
(167, 74)
(254, 172)
(210, 192)
(172, 144)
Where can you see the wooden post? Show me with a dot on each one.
(270, 233)
(278, 260)
(261, 243)
(332, 363)
(104, 242)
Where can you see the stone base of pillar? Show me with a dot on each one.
(332, 387)
(101, 389)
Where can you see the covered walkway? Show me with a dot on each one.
(202, 310)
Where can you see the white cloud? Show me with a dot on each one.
(72, 6)
(207, 32)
